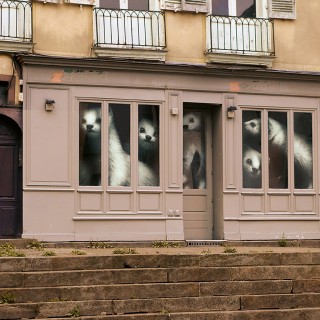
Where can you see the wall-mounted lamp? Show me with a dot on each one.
(231, 111)
(49, 104)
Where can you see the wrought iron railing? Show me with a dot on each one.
(129, 28)
(16, 20)
(240, 35)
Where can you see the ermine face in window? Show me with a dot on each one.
(91, 122)
(191, 122)
(148, 134)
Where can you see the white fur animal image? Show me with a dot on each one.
(251, 167)
(194, 173)
(278, 141)
(148, 141)
(192, 121)
(148, 135)
(90, 147)
(120, 162)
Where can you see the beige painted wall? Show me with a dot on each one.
(67, 30)
(5, 65)
(62, 29)
(297, 41)
(186, 37)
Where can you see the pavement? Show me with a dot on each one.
(33, 248)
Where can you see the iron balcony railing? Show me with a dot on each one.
(16, 20)
(240, 35)
(129, 29)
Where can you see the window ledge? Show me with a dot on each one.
(15, 46)
(246, 59)
(134, 54)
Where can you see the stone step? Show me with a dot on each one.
(82, 293)
(188, 305)
(158, 275)
(114, 307)
(156, 261)
(291, 314)
(158, 290)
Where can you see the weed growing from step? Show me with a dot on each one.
(78, 252)
(283, 241)
(36, 245)
(207, 251)
(9, 250)
(99, 245)
(74, 313)
(165, 244)
(49, 253)
(7, 298)
(228, 249)
(125, 251)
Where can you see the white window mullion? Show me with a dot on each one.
(232, 7)
(123, 4)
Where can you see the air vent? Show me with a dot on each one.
(199, 243)
(282, 9)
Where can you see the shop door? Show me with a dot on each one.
(10, 188)
(197, 173)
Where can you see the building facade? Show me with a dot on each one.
(130, 120)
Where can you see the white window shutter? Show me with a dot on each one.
(186, 5)
(282, 9)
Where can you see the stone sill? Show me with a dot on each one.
(132, 54)
(244, 59)
(15, 46)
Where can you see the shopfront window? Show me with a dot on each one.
(148, 145)
(90, 144)
(251, 150)
(303, 162)
(278, 150)
(286, 138)
(118, 144)
(119, 150)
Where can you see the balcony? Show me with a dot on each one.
(240, 40)
(15, 26)
(130, 34)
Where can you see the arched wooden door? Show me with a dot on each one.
(10, 179)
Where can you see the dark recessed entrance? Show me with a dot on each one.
(10, 179)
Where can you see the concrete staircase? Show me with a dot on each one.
(161, 287)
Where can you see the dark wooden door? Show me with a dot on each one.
(10, 182)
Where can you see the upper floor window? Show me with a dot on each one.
(142, 5)
(239, 8)
(15, 20)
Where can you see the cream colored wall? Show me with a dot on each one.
(5, 65)
(62, 29)
(6, 68)
(296, 41)
(186, 37)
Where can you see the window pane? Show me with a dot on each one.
(246, 8)
(194, 151)
(148, 145)
(138, 5)
(90, 144)
(119, 145)
(303, 150)
(278, 150)
(220, 7)
(251, 149)
(110, 4)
